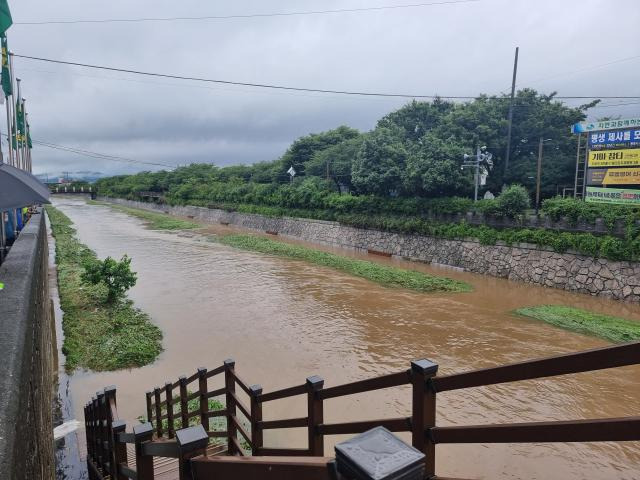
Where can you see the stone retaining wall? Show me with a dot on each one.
(524, 262)
(27, 356)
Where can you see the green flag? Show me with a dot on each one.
(6, 74)
(5, 17)
(29, 143)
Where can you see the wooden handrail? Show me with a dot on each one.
(262, 468)
(286, 423)
(598, 430)
(402, 424)
(283, 393)
(368, 385)
(596, 359)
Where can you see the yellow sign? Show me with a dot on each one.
(615, 158)
(621, 176)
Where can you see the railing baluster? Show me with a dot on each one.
(144, 464)
(184, 405)
(230, 385)
(156, 392)
(102, 453)
(96, 431)
(204, 401)
(120, 449)
(109, 398)
(168, 393)
(256, 418)
(424, 411)
(315, 409)
(149, 409)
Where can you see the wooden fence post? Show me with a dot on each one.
(256, 418)
(230, 386)
(103, 455)
(184, 405)
(204, 401)
(168, 393)
(120, 449)
(144, 464)
(423, 416)
(90, 439)
(149, 409)
(156, 392)
(315, 414)
(96, 431)
(109, 399)
(191, 442)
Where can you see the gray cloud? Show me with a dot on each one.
(459, 49)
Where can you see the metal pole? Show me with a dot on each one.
(575, 183)
(477, 174)
(539, 174)
(15, 120)
(25, 156)
(510, 120)
(11, 162)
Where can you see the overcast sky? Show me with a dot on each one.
(461, 49)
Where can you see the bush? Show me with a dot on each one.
(116, 276)
(513, 201)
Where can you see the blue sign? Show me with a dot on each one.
(605, 125)
(615, 139)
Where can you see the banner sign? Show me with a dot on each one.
(615, 139)
(605, 125)
(615, 158)
(613, 176)
(613, 195)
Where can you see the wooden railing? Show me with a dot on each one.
(105, 434)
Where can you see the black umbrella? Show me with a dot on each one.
(20, 189)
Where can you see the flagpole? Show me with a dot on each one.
(9, 129)
(16, 112)
(14, 80)
(28, 136)
(25, 156)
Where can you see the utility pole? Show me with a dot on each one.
(474, 162)
(539, 171)
(510, 119)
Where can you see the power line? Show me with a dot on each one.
(89, 153)
(290, 88)
(250, 15)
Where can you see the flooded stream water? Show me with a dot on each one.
(284, 320)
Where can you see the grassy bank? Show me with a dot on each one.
(381, 274)
(97, 336)
(156, 221)
(611, 328)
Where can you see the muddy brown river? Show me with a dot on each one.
(284, 320)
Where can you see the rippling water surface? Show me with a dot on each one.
(284, 320)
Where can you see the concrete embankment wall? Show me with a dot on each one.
(27, 357)
(524, 262)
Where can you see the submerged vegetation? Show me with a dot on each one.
(381, 274)
(614, 329)
(100, 332)
(156, 221)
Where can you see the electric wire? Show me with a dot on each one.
(246, 16)
(295, 89)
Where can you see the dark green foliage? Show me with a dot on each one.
(116, 276)
(512, 202)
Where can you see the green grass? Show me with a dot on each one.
(381, 274)
(97, 336)
(614, 329)
(157, 221)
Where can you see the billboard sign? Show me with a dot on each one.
(613, 176)
(614, 158)
(615, 139)
(613, 195)
(585, 127)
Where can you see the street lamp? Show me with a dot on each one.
(539, 171)
(470, 161)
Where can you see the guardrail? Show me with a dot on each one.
(187, 444)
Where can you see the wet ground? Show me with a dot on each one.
(283, 320)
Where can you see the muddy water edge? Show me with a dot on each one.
(284, 320)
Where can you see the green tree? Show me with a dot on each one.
(379, 165)
(116, 276)
(337, 160)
